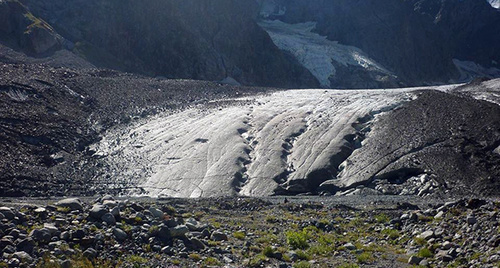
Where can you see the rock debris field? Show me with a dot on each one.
(245, 232)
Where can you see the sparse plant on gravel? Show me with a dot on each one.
(297, 240)
(302, 264)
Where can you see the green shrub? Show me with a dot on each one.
(297, 240)
(268, 251)
(365, 257)
(303, 255)
(392, 233)
(425, 253)
(382, 218)
(239, 235)
(302, 264)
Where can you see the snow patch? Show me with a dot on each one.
(271, 8)
(494, 3)
(469, 70)
(315, 52)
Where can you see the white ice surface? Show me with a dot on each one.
(199, 152)
(316, 52)
(494, 3)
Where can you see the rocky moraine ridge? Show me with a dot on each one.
(232, 232)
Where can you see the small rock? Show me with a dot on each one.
(426, 235)
(97, 211)
(40, 235)
(27, 245)
(106, 198)
(404, 217)
(158, 214)
(109, 219)
(51, 228)
(8, 213)
(23, 257)
(71, 203)
(115, 212)
(197, 244)
(65, 263)
(65, 236)
(471, 220)
(178, 231)
(120, 234)
(439, 215)
(414, 260)
(349, 246)
(167, 250)
(218, 236)
(424, 263)
(447, 245)
(194, 225)
(90, 253)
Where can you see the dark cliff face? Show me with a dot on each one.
(416, 39)
(206, 40)
(21, 30)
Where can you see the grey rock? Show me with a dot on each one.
(194, 225)
(8, 213)
(471, 220)
(71, 203)
(197, 244)
(404, 217)
(9, 249)
(65, 236)
(424, 263)
(427, 235)
(218, 236)
(439, 215)
(119, 234)
(349, 246)
(414, 260)
(51, 228)
(40, 211)
(115, 212)
(178, 231)
(40, 235)
(109, 219)
(54, 245)
(443, 256)
(65, 263)
(23, 257)
(14, 262)
(107, 197)
(167, 250)
(158, 214)
(90, 253)
(97, 211)
(27, 245)
(78, 234)
(447, 245)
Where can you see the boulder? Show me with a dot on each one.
(71, 203)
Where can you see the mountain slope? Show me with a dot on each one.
(417, 40)
(202, 40)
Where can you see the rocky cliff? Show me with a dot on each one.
(203, 40)
(415, 39)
